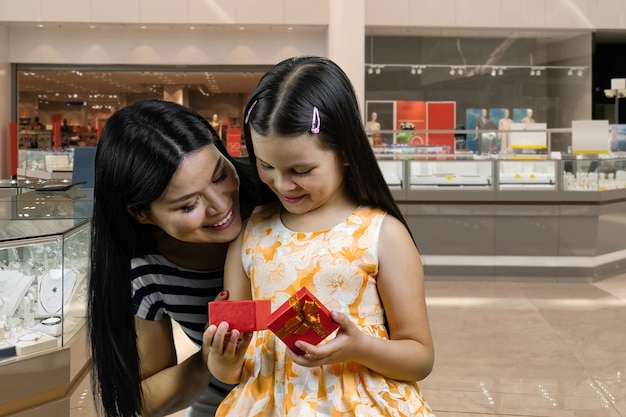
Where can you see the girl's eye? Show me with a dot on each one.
(190, 207)
(302, 173)
(222, 176)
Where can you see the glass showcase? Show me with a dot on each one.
(44, 252)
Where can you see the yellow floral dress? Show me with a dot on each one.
(339, 266)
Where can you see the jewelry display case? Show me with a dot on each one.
(45, 164)
(527, 174)
(43, 270)
(594, 174)
(573, 173)
(44, 250)
(451, 173)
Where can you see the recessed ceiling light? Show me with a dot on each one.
(241, 28)
(92, 26)
(143, 27)
(40, 25)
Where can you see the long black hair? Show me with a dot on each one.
(283, 104)
(141, 147)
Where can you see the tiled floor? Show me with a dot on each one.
(525, 348)
(528, 348)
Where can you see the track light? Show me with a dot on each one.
(532, 72)
(377, 70)
(370, 70)
(501, 71)
(580, 72)
(452, 71)
(419, 70)
(493, 72)
(460, 71)
(413, 70)
(571, 71)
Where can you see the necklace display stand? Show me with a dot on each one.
(13, 286)
(54, 291)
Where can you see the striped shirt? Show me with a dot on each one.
(163, 288)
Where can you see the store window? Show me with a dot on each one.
(476, 80)
(81, 99)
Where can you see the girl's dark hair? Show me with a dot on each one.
(140, 148)
(283, 103)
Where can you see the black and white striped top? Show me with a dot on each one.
(163, 288)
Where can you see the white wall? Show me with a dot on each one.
(74, 45)
(505, 14)
(498, 14)
(311, 12)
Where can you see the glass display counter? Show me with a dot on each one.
(451, 173)
(44, 268)
(45, 164)
(406, 174)
(527, 174)
(594, 174)
(44, 250)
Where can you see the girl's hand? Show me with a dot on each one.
(226, 351)
(344, 347)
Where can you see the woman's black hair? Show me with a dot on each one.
(282, 104)
(140, 148)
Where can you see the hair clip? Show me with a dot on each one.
(250, 111)
(317, 122)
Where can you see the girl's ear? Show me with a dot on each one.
(140, 215)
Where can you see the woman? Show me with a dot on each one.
(167, 201)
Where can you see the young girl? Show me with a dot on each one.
(337, 231)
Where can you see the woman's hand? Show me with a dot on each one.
(344, 347)
(226, 351)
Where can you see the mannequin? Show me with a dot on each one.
(529, 117)
(373, 127)
(484, 139)
(216, 123)
(504, 124)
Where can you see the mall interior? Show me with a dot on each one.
(498, 127)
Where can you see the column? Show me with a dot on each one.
(346, 42)
(176, 93)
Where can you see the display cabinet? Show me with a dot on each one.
(527, 174)
(45, 164)
(451, 173)
(594, 174)
(44, 267)
(405, 174)
(43, 270)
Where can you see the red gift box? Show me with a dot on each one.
(243, 315)
(302, 317)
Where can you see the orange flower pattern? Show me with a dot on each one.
(340, 267)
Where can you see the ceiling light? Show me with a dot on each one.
(501, 71)
(377, 70)
(580, 72)
(532, 72)
(419, 70)
(370, 70)
(571, 71)
(413, 70)
(493, 72)
(460, 71)
(452, 71)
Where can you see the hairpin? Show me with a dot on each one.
(317, 122)
(250, 111)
